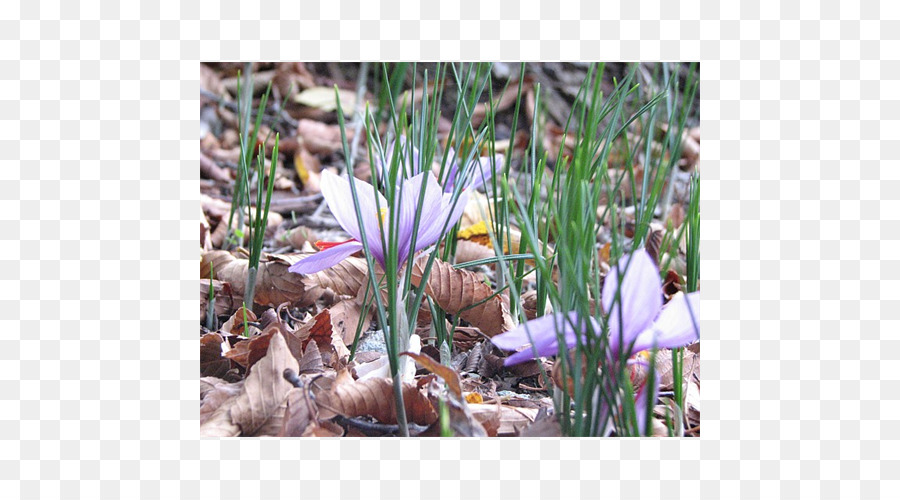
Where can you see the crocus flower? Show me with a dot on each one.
(637, 321)
(408, 160)
(478, 172)
(436, 209)
(472, 177)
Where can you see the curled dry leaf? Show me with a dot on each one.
(207, 384)
(469, 251)
(345, 278)
(274, 283)
(226, 299)
(235, 324)
(488, 415)
(215, 399)
(212, 363)
(248, 352)
(445, 372)
(347, 315)
(331, 345)
(264, 390)
(462, 292)
(512, 419)
(311, 361)
(319, 138)
(374, 397)
(300, 413)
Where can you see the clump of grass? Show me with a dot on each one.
(241, 199)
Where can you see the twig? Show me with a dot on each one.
(373, 428)
(233, 107)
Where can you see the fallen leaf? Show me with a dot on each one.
(462, 292)
(345, 278)
(346, 316)
(274, 283)
(311, 361)
(212, 363)
(375, 397)
(324, 98)
(300, 412)
(469, 251)
(226, 300)
(448, 374)
(248, 352)
(331, 345)
(264, 388)
(235, 324)
(321, 139)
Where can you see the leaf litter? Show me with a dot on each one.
(287, 367)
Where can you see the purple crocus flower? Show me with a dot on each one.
(472, 177)
(644, 322)
(436, 209)
(407, 159)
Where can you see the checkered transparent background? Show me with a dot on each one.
(98, 207)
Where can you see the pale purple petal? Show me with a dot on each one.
(483, 170)
(519, 336)
(410, 192)
(644, 400)
(337, 193)
(675, 326)
(542, 334)
(640, 301)
(450, 179)
(438, 214)
(326, 258)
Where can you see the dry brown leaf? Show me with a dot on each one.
(469, 251)
(248, 352)
(319, 138)
(345, 317)
(207, 384)
(331, 345)
(503, 102)
(512, 419)
(226, 300)
(345, 278)
(300, 412)
(216, 398)
(311, 361)
(488, 416)
(274, 283)
(374, 397)
(264, 388)
(545, 427)
(235, 324)
(291, 77)
(212, 363)
(665, 372)
(445, 372)
(324, 428)
(457, 291)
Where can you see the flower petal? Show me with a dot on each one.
(644, 400)
(640, 298)
(484, 169)
(337, 193)
(542, 334)
(675, 326)
(438, 209)
(409, 202)
(326, 258)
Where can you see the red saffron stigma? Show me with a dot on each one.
(324, 245)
